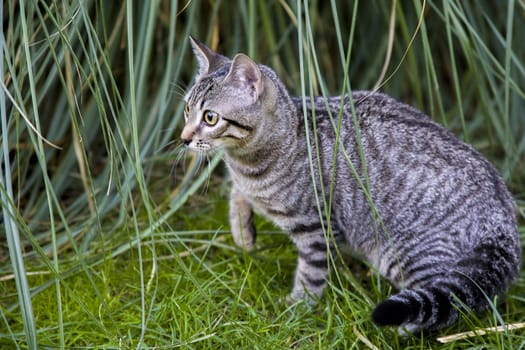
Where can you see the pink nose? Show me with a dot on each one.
(186, 136)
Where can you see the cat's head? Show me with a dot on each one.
(228, 104)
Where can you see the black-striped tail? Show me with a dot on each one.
(473, 282)
(417, 309)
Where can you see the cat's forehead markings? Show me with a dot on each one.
(200, 92)
(206, 85)
(205, 92)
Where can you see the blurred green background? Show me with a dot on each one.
(115, 239)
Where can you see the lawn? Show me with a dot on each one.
(115, 238)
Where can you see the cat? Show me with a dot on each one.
(426, 210)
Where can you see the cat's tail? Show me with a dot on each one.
(472, 283)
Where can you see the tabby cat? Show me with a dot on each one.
(426, 210)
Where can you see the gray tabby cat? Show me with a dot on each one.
(438, 222)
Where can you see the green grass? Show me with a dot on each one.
(113, 242)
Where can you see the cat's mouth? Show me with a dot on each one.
(203, 146)
(195, 142)
(198, 145)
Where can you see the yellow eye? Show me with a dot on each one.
(211, 118)
(186, 109)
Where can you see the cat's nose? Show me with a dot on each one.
(186, 136)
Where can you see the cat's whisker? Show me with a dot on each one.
(208, 170)
(167, 147)
(199, 163)
(180, 155)
(168, 130)
(204, 167)
(178, 94)
(178, 89)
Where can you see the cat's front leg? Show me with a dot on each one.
(241, 220)
(312, 265)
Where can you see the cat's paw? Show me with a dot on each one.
(247, 246)
(244, 237)
(290, 300)
(301, 298)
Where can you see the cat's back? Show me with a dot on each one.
(384, 128)
(417, 170)
(395, 133)
(425, 164)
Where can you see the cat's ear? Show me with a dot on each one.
(245, 75)
(208, 59)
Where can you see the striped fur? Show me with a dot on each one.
(426, 210)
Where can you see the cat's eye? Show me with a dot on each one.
(210, 117)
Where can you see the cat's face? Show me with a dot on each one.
(224, 107)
